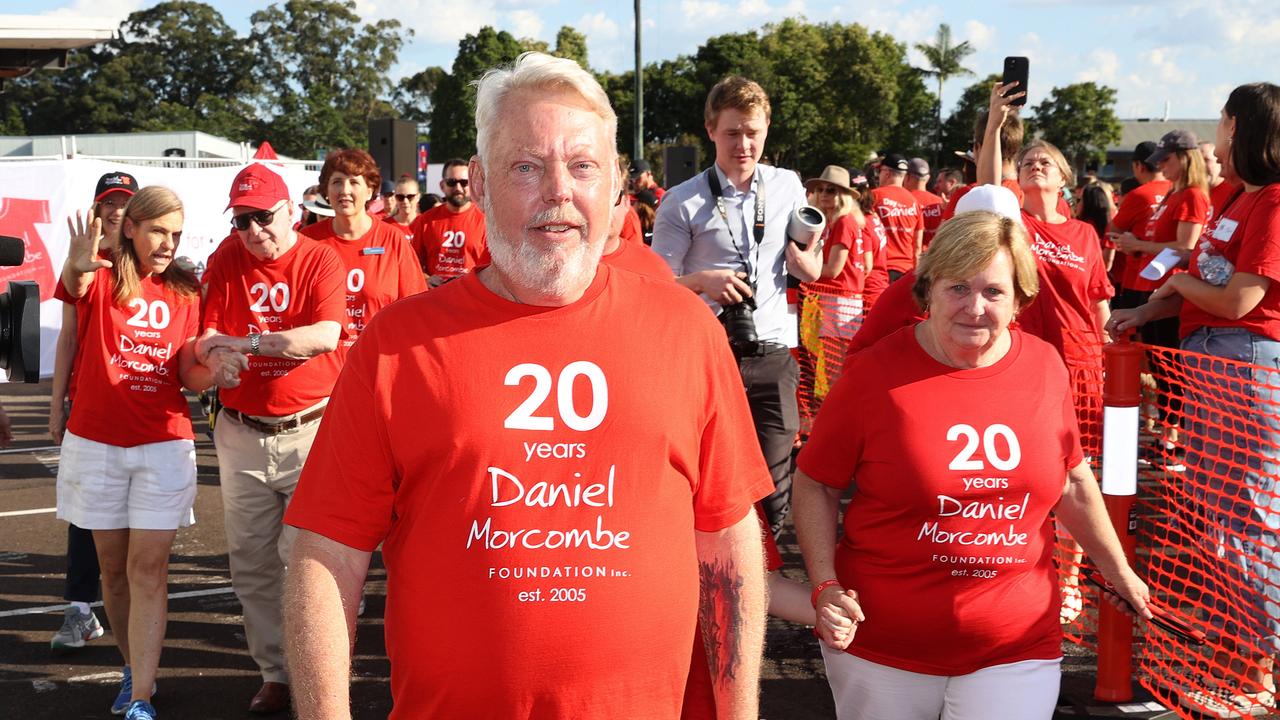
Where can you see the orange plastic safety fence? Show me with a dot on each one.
(1210, 519)
(827, 323)
(1082, 353)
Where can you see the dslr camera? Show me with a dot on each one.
(804, 227)
(19, 319)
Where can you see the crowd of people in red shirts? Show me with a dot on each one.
(942, 305)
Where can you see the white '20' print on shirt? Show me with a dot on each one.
(523, 418)
(276, 295)
(454, 239)
(154, 314)
(964, 459)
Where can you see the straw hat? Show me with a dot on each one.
(833, 175)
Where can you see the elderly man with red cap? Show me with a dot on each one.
(277, 302)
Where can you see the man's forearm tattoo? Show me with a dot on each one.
(720, 617)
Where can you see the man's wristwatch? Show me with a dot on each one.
(255, 343)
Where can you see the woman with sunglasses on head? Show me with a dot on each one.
(379, 263)
(1228, 308)
(128, 469)
(450, 238)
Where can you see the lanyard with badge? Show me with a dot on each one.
(717, 191)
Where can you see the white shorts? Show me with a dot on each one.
(863, 690)
(145, 487)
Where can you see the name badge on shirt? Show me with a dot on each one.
(373, 251)
(1225, 228)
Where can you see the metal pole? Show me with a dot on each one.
(638, 152)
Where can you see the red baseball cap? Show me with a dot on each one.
(257, 187)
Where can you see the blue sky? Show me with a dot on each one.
(1188, 54)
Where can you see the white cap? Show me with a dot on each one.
(993, 199)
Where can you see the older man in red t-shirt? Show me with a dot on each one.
(277, 301)
(532, 474)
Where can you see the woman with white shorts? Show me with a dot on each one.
(128, 469)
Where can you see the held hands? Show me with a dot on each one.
(837, 616)
(86, 238)
(725, 287)
(227, 366)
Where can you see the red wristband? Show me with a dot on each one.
(813, 599)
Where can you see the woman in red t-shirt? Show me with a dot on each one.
(957, 437)
(833, 303)
(128, 469)
(1228, 305)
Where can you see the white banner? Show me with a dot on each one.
(36, 198)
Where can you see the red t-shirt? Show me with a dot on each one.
(1132, 216)
(639, 258)
(1009, 183)
(552, 497)
(126, 365)
(380, 269)
(845, 233)
(1186, 205)
(631, 230)
(302, 287)
(450, 243)
(900, 213)
(1247, 234)
(876, 239)
(1072, 281)
(931, 207)
(948, 539)
(1220, 197)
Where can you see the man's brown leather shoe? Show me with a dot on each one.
(271, 699)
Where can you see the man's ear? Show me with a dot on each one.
(475, 174)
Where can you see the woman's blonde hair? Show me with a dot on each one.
(967, 243)
(1194, 173)
(1064, 167)
(148, 204)
(845, 203)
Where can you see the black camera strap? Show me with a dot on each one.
(717, 191)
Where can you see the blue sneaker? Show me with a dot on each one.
(125, 696)
(140, 710)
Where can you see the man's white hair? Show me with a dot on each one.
(536, 71)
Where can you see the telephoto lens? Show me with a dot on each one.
(806, 225)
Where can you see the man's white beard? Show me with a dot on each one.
(547, 272)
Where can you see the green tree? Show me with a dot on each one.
(957, 131)
(1081, 120)
(453, 104)
(572, 44)
(413, 94)
(322, 73)
(174, 66)
(946, 60)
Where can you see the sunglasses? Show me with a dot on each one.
(828, 190)
(455, 182)
(406, 197)
(262, 217)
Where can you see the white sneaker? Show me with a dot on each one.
(77, 627)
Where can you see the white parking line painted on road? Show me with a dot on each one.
(97, 677)
(59, 608)
(37, 511)
(14, 451)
